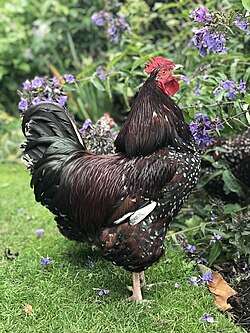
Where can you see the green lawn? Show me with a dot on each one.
(63, 299)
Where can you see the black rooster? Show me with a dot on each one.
(122, 202)
(235, 157)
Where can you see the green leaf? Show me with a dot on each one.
(206, 179)
(232, 208)
(231, 182)
(214, 253)
(248, 117)
(247, 98)
(246, 4)
(115, 60)
(97, 83)
(233, 70)
(107, 87)
(204, 269)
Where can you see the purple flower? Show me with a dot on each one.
(202, 128)
(242, 87)
(193, 127)
(190, 248)
(20, 210)
(207, 278)
(39, 232)
(208, 318)
(206, 40)
(45, 261)
(185, 79)
(102, 74)
(37, 82)
(27, 85)
(205, 77)
(99, 18)
(55, 81)
(203, 118)
(23, 104)
(69, 78)
(117, 27)
(201, 260)
(200, 14)
(217, 123)
(103, 292)
(62, 100)
(242, 24)
(217, 90)
(177, 285)
(36, 100)
(85, 125)
(227, 84)
(215, 238)
(213, 217)
(231, 94)
(193, 281)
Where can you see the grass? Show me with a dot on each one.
(63, 299)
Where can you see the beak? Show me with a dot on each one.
(178, 66)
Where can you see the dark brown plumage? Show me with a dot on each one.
(122, 202)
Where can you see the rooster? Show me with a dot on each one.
(123, 202)
(234, 155)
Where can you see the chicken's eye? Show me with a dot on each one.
(163, 72)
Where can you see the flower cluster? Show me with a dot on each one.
(182, 241)
(204, 279)
(116, 25)
(200, 15)
(43, 89)
(242, 24)
(213, 29)
(206, 40)
(102, 73)
(231, 87)
(202, 128)
(100, 18)
(99, 137)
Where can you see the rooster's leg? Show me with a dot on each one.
(143, 280)
(136, 296)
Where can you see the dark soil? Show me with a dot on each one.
(241, 304)
(237, 275)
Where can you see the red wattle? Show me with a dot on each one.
(171, 87)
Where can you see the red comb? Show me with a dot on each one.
(156, 62)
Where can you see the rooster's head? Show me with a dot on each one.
(163, 69)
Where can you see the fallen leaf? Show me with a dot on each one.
(28, 309)
(221, 291)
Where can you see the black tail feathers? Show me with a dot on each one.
(45, 124)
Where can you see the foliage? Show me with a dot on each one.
(10, 138)
(58, 37)
(220, 232)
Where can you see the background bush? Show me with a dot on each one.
(57, 37)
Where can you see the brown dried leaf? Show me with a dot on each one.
(28, 309)
(221, 291)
